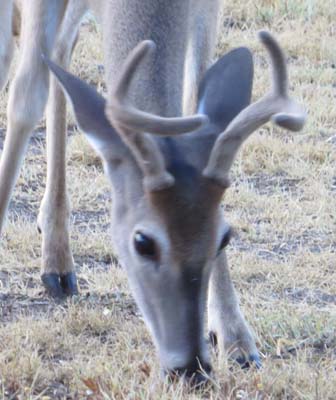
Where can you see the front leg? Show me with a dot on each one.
(226, 323)
(58, 272)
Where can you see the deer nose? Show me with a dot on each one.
(195, 373)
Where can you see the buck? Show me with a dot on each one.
(168, 133)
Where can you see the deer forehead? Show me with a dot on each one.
(189, 217)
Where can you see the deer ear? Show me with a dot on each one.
(89, 110)
(226, 87)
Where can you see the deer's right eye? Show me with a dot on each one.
(144, 245)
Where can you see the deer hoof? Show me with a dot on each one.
(59, 286)
(69, 284)
(245, 363)
(253, 360)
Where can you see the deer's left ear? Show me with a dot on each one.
(226, 87)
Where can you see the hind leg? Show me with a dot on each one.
(28, 92)
(6, 43)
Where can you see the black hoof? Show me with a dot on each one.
(69, 284)
(52, 284)
(253, 360)
(194, 375)
(59, 286)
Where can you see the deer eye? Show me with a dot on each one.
(144, 245)
(225, 239)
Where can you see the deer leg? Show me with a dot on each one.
(29, 90)
(226, 323)
(58, 272)
(6, 44)
(200, 49)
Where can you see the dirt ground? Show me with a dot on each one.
(281, 203)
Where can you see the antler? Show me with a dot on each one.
(275, 106)
(134, 125)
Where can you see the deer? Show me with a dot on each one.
(168, 133)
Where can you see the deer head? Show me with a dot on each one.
(168, 176)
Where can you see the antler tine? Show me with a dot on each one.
(275, 106)
(278, 63)
(149, 159)
(134, 125)
(120, 111)
(132, 62)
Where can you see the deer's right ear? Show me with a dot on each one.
(89, 110)
(226, 87)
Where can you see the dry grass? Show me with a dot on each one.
(282, 204)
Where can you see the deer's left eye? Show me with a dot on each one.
(225, 239)
(145, 245)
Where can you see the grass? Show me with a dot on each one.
(282, 204)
